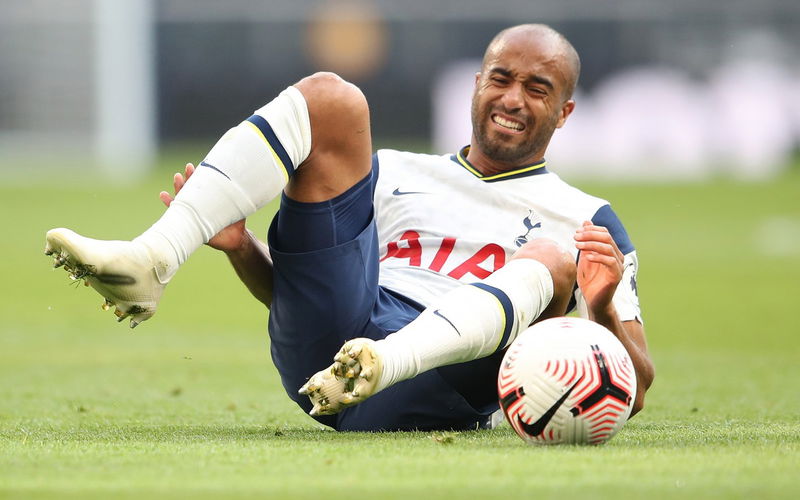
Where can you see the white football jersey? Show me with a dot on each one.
(441, 223)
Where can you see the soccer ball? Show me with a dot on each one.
(566, 380)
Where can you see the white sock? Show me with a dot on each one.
(247, 168)
(469, 322)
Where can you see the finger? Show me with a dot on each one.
(594, 236)
(599, 234)
(588, 226)
(609, 251)
(590, 229)
(189, 170)
(603, 260)
(596, 246)
(165, 197)
(177, 182)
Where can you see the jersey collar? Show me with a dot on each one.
(524, 171)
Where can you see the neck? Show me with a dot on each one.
(489, 166)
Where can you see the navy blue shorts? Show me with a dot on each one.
(326, 292)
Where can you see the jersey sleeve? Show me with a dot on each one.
(626, 298)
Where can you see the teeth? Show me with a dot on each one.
(507, 123)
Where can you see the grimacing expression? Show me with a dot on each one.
(521, 97)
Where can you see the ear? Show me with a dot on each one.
(477, 78)
(566, 110)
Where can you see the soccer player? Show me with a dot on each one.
(425, 267)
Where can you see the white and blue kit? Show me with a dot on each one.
(368, 262)
(441, 223)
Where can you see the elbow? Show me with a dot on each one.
(644, 379)
(646, 375)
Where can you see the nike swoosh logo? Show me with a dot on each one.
(536, 428)
(204, 164)
(437, 313)
(397, 192)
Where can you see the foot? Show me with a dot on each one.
(121, 271)
(352, 378)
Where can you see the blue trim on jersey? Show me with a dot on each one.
(515, 173)
(508, 311)
(607, 218)
(273, 141)
(375, 165)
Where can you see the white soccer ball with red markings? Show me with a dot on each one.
(566, 380)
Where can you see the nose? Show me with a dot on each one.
(513, 97)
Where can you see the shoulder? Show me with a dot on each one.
(607, 218)
(592, 208)
(573, 193)
(562, 197)
(393, 164)
(395, 156)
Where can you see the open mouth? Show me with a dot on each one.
(508, 124)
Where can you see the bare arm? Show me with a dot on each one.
(249, 256)
(631, 334)
(599, 272)
(253, 265)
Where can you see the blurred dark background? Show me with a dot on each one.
(105, 79)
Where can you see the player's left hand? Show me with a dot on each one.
(600, 266)
(230, 238)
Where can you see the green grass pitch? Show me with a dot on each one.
(189, 405)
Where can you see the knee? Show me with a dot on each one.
(331, 99)
(341, 145)
(558, 261)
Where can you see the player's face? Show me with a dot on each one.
(520, 99)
